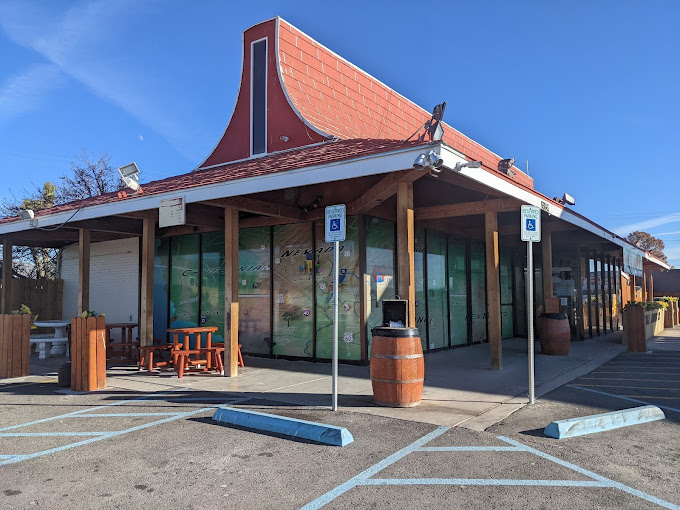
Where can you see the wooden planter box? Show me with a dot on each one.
(634, 329)
(15, 346)
(675, 312)
(668, 316)
(88, 353)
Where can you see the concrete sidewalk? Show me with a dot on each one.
(460, 387)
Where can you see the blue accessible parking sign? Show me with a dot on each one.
(531, 223)
(335, 223)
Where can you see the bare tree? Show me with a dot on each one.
(90, 176)
(32, 262)
(649, 243)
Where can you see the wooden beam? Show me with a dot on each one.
(7, 273)
(112, 224)
(202, 215)
(263, 221)
(462, 181)
(146, 290)
(406, 288)
(546, 247)
(262, 207)
(151, 214)
(231, 310)
(493, 289)
(467, 208)
(382, 190)
(83, 270)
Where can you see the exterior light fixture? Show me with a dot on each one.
(129, 174)
(566, 199)
(27, 214)
(431, 160)
(469, 164)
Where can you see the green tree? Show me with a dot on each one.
(649, 243)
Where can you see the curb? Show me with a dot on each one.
(319, 432)
(602, 422)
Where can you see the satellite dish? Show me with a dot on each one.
(129, 174)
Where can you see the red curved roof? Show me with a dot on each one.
(316, 94)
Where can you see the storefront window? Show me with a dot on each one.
(379, 268)
(419, 278)
(349, 306)
(254, 288)
(184, 281)
(458, 291)
(293, 274)
(161, 286)
(507, 326)
(437, 307)
(478, 290)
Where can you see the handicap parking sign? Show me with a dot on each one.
(531, 223)
(335, 223)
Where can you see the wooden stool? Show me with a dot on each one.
(147, 359)
(240, 358)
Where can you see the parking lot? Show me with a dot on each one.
(124, 449)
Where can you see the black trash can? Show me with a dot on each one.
(64, 377)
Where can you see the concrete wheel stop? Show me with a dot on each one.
(602, 422)
(293, 427)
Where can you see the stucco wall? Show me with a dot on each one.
(114, 280)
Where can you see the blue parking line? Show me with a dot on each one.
(376, 468)
(468, 449)
(595, 476)
(48, 434)
(624, 398)
(99, 436)
(483, 481)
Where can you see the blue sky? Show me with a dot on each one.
(586, 91)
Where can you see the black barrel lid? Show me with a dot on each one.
(396, 332)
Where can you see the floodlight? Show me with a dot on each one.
(504, 165)
(420, 162)
(568, 199)
(435, 159)
(129, 174)
(27, 214)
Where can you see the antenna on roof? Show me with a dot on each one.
(433, 127)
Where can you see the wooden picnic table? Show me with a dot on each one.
(127, 349)
(201, 359)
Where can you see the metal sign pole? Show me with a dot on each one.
(530, 316)
(335, 324)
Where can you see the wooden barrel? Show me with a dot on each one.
(554, 334)
(397, 367)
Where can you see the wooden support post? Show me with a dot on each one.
(6, 298)
(493, 289)
(83, 270)
(406, 288)
(146, 291)
(651, 285)
(230, 291)
(546, 249)
(644, 285)
(633, 294)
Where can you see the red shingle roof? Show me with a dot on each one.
(302, 157)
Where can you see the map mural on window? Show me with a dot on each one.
(184, 281)
(349, 306)
(458, 291)
(161, 286)
(478, 290)
(212, 283)
(254, 274)
(437, 307)
(379, 269)
(293, 303)
(419, 278)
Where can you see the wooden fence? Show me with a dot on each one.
(15, 347)
(44, 297)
